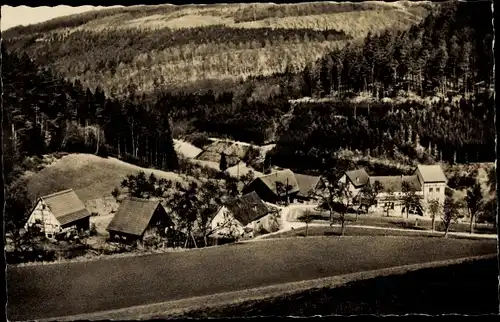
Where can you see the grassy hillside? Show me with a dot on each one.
(153, 47)
(91, 177)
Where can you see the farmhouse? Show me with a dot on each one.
(428, 182)
(275, 187)
(307, 185)
(246, 214)
(59, 212)
(137, 219)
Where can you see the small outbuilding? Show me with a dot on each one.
(59, 212)
(137, 219)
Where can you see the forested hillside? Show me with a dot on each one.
(157, 48)
(428, 95)
(44, 114)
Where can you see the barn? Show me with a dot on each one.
(271, 187)
(59, 212)
(137, 219)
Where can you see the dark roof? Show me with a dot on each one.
(306, 183)
(66, 206)
(133, 216)
(358, 177)
(215, 157)
(247, 208)
(283, 176)
(395, 183)
(431, 173)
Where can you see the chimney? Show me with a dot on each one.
(357, 179)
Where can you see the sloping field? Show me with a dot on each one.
(90, 176)
(74, 288)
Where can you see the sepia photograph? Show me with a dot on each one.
(253, 159)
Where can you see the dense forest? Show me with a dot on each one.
(45, 114)
(258, 110)
(450, 51)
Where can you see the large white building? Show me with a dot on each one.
(428, 182)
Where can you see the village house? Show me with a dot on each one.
(428, 182)
(307, 186)
(275, 187)
(356, 180)
(138, 219)
(245, 215)
(59, 212)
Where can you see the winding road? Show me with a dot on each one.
(45, 291)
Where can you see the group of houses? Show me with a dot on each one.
(251, 213)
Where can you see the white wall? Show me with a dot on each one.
(42, 213)
(220, 220)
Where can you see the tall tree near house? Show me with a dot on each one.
(450, 212)
(335, 194)
(435, 209)
(283, 189)
(368, 195)
(474, 200)
(410, 198)
(223, 162)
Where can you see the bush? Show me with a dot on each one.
(199, 140)
(93, 230)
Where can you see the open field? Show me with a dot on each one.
(91, 177)
(437, 290)
(326, 230)
(123, 282)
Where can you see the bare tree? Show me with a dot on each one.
(435, 209)
(307, 217)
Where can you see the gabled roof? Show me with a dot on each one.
(358, 177)
(133, 216)
(395, 183)
(66, 206)
(247, 208)
(283, 176)
(432, 173)
(306, 183)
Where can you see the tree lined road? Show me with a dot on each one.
(45, 291)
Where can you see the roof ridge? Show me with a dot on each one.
(143, 199)
(56, 193)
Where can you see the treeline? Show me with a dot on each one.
(227, 114)
(112, 47)
(76, 20)
(45, 114)
(448, 51)
(264, 11)
(440, 132)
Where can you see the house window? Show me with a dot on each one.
(430, 189)
(49, 235)
(437, 189)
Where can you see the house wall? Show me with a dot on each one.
(220, 218)
(49, 223)
(270, 222)
(354, 191)
(83, 223)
